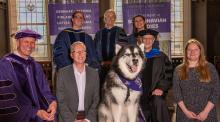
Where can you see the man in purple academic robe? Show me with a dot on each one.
(24, 92)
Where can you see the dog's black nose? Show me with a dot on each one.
(135, 61)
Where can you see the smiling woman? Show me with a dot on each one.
(196, 86)
(193, 53)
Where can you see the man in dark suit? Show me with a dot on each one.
(78, 88)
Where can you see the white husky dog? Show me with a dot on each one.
(122, 87)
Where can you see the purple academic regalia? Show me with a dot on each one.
(23, 89)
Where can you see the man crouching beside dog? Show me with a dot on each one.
(122, 87)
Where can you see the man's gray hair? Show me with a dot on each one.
(73, 45)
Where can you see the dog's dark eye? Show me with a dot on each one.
(136, 54)
(127, 54)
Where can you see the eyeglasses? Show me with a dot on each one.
(78, 17)
(79, 52)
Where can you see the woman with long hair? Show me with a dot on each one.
(196, 86)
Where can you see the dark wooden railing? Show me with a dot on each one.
(47, 68)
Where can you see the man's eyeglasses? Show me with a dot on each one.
(79, 52)
(78, 17)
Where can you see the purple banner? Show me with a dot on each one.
(157, 15)
(60, 16)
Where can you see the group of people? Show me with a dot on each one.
(156, 77)
(82, 64)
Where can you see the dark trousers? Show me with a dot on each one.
(158, 111)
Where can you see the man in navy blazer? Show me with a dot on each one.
(78, 88)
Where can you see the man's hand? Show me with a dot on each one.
(43, 115)
(52, 109)
(49, 114)
(157, 92)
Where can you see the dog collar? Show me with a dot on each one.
(132, 84)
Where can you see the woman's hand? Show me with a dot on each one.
(190, 114)
(202, 116)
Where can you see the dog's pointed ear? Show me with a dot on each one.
(117, 48)
(142, 47)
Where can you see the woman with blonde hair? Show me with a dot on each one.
(196, 86)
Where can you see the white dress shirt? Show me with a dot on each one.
(81, 84)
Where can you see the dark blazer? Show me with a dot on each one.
(67, 94)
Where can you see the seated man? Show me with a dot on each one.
(78, 88)
(156, 80)
(24, 92)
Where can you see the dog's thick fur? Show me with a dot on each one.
(120, 103)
